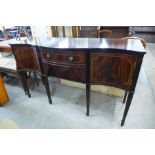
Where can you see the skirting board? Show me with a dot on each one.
(97, 88)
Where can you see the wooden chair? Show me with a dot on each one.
(8, 67)
(141, 39)
(104, 33)
(111, 33)
(27, 60)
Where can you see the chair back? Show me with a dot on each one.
(104, 33)
(26, 57)
(141, 39)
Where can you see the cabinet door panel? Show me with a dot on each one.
(112, 69)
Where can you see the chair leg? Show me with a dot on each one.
(46, 83)
(36, 79)
(125, 96)
(24, 78)
(43, 81)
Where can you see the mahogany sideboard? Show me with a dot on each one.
(112, 62)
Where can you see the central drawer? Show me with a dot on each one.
(64, 64)
(69, 72)
(63, 57)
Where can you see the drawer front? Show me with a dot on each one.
(74, 73)
(112, 69)
(64, 57)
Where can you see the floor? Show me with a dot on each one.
(68, 108)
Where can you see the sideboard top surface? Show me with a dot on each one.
(80, 43)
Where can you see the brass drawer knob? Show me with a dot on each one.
(47, 56)
(71, 58)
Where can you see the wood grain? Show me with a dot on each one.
(69, 72)
(112, 69)
(26, 57)
(64, 57)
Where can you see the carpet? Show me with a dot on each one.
(8, 124)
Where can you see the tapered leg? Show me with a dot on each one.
(124, 99)
(36, 79)
(87, 98)
(24, 78)
(128, 103)
(45, 81)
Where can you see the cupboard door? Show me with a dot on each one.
(112, 69)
